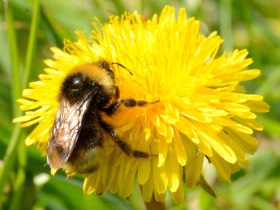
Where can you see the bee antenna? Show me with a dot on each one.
(122, 67)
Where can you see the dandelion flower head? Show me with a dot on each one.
(203, 111)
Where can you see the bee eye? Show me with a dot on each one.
(76, 81)
(75, 86)
(73, 83)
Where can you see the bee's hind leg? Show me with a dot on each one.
(122, 144)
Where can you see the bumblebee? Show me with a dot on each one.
(87, 93)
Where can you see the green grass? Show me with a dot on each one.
(29, 28)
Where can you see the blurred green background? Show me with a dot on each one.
(28, 28)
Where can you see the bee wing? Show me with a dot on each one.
(66, 130)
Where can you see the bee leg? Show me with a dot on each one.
(128, 102)
(122, 144)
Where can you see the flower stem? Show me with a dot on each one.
(9, 158)
(15, 73)
(31, 41)
(16, 88)
(16, 145)
(226, 24)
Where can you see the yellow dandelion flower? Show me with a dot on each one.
(202, 109)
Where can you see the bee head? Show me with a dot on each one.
(77, 85)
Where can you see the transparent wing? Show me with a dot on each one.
(66, 130)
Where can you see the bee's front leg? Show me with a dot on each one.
(128, 102)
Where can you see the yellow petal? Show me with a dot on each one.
(223, 169)
(161, 179)
(160, 196)
(174, 173)
(143, 171)
(219, 145)
(193, 170)
(186, 128)
(128, 183)
(162, 152)
(147, 189)
(247, 142)
(88, 186)
(258, 106)
(178, 195)
(179, 149)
